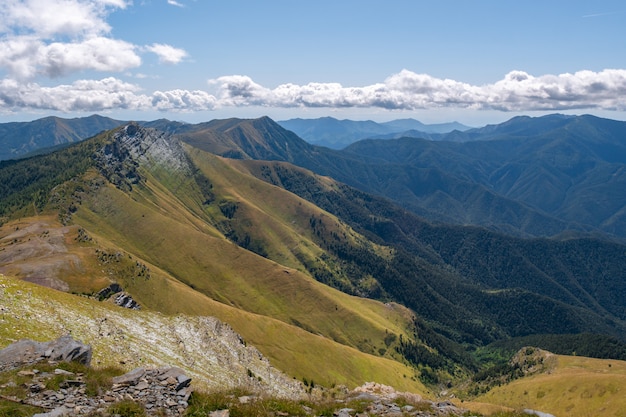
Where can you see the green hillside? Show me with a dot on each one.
(161, 221)
(307, 269)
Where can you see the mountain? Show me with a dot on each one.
(184, 232)
(337, 134)
(20, 138)
(561, 169)
(327, 281)
(410, 235)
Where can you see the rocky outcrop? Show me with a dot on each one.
(125, 300)
(135, 146)
(107, 292)
(26, 351)
(162, 392)
(208, 350)
(384, 400)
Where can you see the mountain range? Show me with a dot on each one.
(21, 138)
(337, 134)
(398, 260)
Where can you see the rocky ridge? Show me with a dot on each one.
(134, 146)
(208, 350)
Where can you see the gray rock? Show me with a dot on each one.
(57, 412)
(131, 378)
(183, 382)
(344, 412)
(27, 351)
(220, 413)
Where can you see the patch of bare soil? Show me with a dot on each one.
(36, 251)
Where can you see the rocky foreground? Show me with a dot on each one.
(162, 392)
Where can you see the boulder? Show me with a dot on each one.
(26, 351)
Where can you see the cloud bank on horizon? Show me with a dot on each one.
(44, 41)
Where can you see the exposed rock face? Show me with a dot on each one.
(27, 351)
(135, 146)
(104, 293)
(125, 300)
(208, 350)
(121, 298)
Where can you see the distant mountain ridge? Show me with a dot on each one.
(337, 134)
(545, 176)
(569, 168)
(21, 138)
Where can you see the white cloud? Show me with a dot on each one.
(517, 91)
(98, 95)
(166, 53)
(82, 95)
(406, 90)
(183, 100)
(175, 3)
(27, 57)
(54, 38)
(47, 18)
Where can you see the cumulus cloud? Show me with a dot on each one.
(98, 95)
(48, 18)
(82, 95)
(55, 38)
(26, 57)
(183, 100)
(166, 53)
(407, 90)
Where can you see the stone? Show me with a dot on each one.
(26, 373)
(62, 372)
(28, 351)
(131, 378)
(344, 412)
(183, 381)
(142, 385)
(57, 412)
(220, 413)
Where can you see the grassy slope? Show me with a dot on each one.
(576, 387)
(35, 310)
(179, 245)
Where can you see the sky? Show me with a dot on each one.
(476, 62)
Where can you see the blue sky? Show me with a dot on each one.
(476, 62)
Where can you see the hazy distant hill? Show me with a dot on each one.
(20, 138)
(337, 134)
(571, 169)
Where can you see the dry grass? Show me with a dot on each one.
(576, 387)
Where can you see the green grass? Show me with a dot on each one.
(191, 251)
(201, 404)
(291, 318)
(11, 409)
(49, 314)
(127, 408)
(576, 387)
